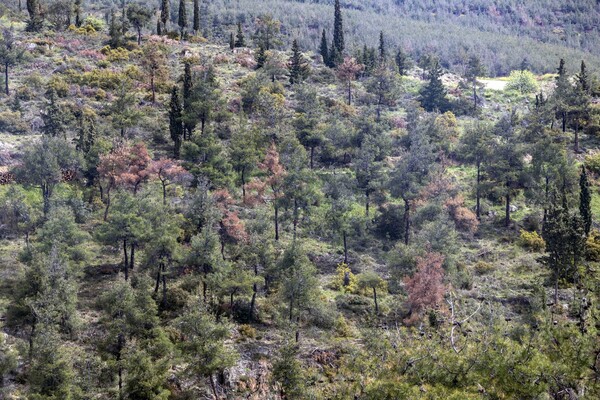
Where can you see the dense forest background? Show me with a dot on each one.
(299, 200)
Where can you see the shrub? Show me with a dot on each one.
(341, 327)
(59, 85)
(522, 81)
(532, 241)
(592, 162)
(483, 268)
(389, 222)
(113, 55)
(344, 281)
(464, 219)
(247, 331)
(592, 246)
(12, 122)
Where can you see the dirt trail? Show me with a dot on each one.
(493, 84)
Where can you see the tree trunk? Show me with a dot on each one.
(345, 248)
(291, 307)
(276, 223)
(243, 176)
(46, 196)
(507, 211)
(564, 121)
(367, 202)
(349, 92)
(312, 157)
(406, 221)
(213, 387)
(164, 290)
(475, 95)
(556, 289)
(6, 79)
(254, 293)
(164, 188)
(107, 206)
(576, 144)
(375, 299)
(478, 192)
(125, 260)
(157, 285)
(153, 89)
(120, 345)
(132, 258)
(204, 289)
(139, 32)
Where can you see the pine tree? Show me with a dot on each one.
(36, 18)
(115, 32)
(240, 40)
(433, 95)
(175, 121)
(261, 56)
(585, 201)
(165, 14)
(382, 50)
(196, 16)
(338, 29)
(231, 42)
(77, 9)
(298, 66)
(182, 19)
(158, 27)
(402, 62)
(582, 79)
(324, 49)
(54, 117)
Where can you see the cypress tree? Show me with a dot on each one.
(182, 20)
(77, 9)
(196, 16)
(338, 29)
(298, 66)
(187, 97)
(433, 95)
(240, 40)
(585, 201)
(556, 235)
(324, 49)
(382, 51)
(231, 41)
(175, 121)
(165, 14)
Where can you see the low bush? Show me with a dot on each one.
(531, 240)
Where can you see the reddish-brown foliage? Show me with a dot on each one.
(464, 219)
(426, 287)
(126, 166)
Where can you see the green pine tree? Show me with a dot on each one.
(36, 17)
(231, 41)
(402, 62)
(261, 56)
(585, 201)
(582, 79)
(433, 95)
(382, 49)
(54, 117)
(187, 98)
(240, 40)
(298, 66)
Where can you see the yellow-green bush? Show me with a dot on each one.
(60, 86)
(343, 273)
(113, 55)
(247, 331)
(531, 240)
(592, 162)
(483, 268)
(12, 122)
(99, 78)
(592, 246)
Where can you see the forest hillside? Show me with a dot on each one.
(299, 200)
